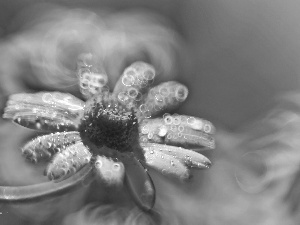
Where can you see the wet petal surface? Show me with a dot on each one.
(44, 147)
(190, 158)
(50, 111)
(166, 164)
(178, 130)
(163, 97)
(134, 83)
(91, 75)
(67, 162)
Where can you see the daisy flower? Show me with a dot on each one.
(112, 136)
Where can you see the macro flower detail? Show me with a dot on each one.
(113, 136)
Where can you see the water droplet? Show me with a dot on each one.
(162, 131)
(169, 136)
(168, 119)
(150, 135)
(181, 93)
(116, 166)
(38, 125)
(127, 79)
(98, 164)
(207, 128)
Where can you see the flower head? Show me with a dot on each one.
(114, 136)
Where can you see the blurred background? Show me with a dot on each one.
(239, 59)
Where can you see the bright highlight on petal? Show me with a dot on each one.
(44, 147)
(68, 162)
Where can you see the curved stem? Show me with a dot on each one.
(35, 192)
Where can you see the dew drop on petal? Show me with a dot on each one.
(128, 80)
(162, 131)
(168, 119)
(181, 93)
(143, 108)
(116, 166)
(38, 125)
(150, 135)
(177, 120)
(207, 128)
(132, 92)
(169, 136)
(149, 74)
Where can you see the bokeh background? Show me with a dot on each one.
(239, 59)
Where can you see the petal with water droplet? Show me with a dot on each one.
(52, 111)
(166, 164)
(190, 158)
(163, 97)
(44, 147)
(175, 130)
(46, 121)
(91, 75)
(134, 82)
(68, 162)
(64, 102)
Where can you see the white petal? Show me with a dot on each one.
(189, 158)
(51, 111)
(44, 147)
(163, 97)
(178, 130)
(68, 162)
(134, 82)
(166, 164)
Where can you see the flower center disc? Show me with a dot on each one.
(107, 122)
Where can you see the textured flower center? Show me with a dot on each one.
(107, 122)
